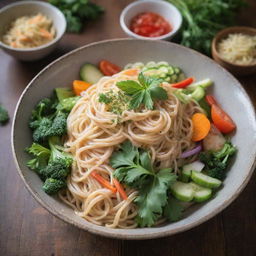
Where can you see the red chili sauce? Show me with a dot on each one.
(150, 24)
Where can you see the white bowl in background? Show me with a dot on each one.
(23, 8)
(166, 10)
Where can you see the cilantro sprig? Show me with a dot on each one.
(134, 169)
(143, 92)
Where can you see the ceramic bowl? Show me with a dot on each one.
(166, 10)
(235, 69)
(227, 90)
(26, 8)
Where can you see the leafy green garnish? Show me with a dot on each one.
(77, 12)
(133, 168)
(173, 210)
(144, 92)
(203, 19)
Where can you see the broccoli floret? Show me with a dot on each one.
(59, 125)
(41, 154)
(4, 117)
(41, 133)
(217, 162)
(44, 107)
(52, 186)
(57, 152)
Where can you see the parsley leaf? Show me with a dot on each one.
(133, 168)
(144, 92)
(173, 210)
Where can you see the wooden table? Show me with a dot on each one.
(27, 229)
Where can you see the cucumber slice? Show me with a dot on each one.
(186, 170)
(90, 73)
(201, 194)
(205, 180)
(198, 93)
(203, 83)
(182, 191)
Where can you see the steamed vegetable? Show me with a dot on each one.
(52, 186)
(201, 126)
(217, 162)
(133, 168)
(4, 117)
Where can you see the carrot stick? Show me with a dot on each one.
(80, 86)
(184, 83)
(103, 181)
(201, 126)
(45, 33)
(120, 189)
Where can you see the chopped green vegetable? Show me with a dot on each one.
(52, 186)
(217, 162)
(144, 92)
(77, 12)
(133, 168)
(4, 117)
(203, 19)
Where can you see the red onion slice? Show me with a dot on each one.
(191, 152)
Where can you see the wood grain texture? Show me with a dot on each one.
(26, 229)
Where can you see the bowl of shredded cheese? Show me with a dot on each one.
(30, 30)
(235, 49)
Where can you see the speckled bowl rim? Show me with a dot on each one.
(52, 42)
(107, 232)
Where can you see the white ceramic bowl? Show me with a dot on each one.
(227, 90)
(24, 8)
(166, 10)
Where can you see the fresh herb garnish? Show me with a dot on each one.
(144, 92)
(173, 209)
(133, 168)
(203, 19)
(117, 101)
(77, 12)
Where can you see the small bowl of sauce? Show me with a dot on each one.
(150, 19)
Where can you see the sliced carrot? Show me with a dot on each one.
(210, 100)
(184, 83)
(103, 181)
(131, 72)
(45, 33)
(222, 120)
(201, 126)
(120, 189)
(80, 86)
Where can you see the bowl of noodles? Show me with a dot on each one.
(143, 146)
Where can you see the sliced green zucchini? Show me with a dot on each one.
(201, 193)
(90, 73)
(205, 180)
(182, 191)
(63, 93)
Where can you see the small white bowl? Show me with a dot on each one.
(24, 8)
(166, 10)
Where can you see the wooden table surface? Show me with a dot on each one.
(28, 229)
